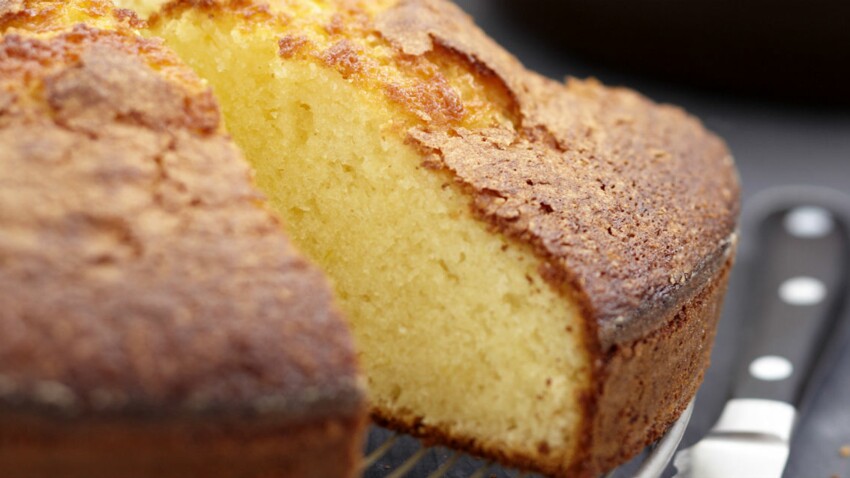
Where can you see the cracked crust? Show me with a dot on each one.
(144, 290)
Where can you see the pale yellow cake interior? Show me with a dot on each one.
(453, 322)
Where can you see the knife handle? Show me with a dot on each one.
(797, 282)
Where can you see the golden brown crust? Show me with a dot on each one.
(47, 15)
(180, 449)
(247, 9)
(140, 274)
(650, 381)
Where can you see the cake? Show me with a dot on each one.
(532, 270)
(154, 319)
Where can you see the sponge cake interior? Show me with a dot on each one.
(456, 329)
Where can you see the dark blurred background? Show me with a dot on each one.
(770, 78)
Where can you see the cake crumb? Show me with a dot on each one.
(844, 451)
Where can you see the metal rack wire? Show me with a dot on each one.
(393, 455)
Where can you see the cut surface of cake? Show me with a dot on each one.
(532, 270)
(154, 319)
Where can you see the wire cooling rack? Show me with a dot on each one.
(394, 455)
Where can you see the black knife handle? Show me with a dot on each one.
(796, 285)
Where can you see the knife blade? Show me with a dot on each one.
(797, 266)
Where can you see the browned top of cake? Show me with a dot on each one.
(632, 204)
(139, 271)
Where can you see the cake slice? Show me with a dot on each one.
(154, 319)
(532, 270)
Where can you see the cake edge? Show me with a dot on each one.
(227, 447)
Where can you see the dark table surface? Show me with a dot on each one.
(774, 144)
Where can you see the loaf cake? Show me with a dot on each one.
(532, 270)
(154, 319)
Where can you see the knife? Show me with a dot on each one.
(796, 277)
